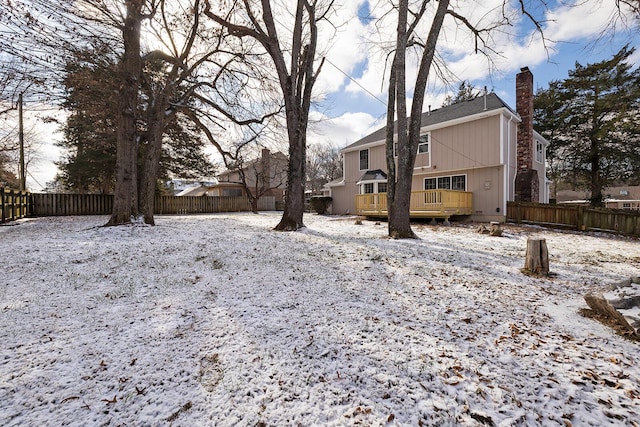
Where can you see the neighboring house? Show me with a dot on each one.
(210, 189)
(179, 187)
(622, 197)
(265, 176)
(473, 157)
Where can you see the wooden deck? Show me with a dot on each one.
(424, 204)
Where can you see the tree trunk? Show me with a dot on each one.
(294, 200)
(537, 257)
(597, 199)
(151, 166)
(397, 207)
(125, 201)
(399, 183)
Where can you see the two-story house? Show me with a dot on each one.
(472, 158)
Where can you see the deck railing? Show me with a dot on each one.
(424, 204)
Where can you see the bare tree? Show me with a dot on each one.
(259, 176)
(296, 80)
(324, 164)
(408, 134)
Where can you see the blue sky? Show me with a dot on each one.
(573, 33)
(352, 83)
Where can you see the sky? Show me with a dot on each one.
(351, 88)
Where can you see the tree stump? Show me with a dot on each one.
(495, 229)
(537, 257)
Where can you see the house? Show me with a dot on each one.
(473, 157)
(213, 190)
(264, 176)
(617, 197)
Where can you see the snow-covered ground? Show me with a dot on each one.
(218, 320)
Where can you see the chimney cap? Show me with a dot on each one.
(524, 69)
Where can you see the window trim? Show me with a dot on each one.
(427, 143)
(451, 177)
(360, 159)
(375, 186)
(539, 152)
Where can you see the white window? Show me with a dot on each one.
(382, 187)
(539, 152)
(454, 182)
(364, 160)
(423, 145)
(367, 188)
(430, 184)
(444, 182)
(459, 182)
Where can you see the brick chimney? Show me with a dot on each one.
(266, 168)
(527, 183)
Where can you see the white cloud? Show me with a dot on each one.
(343, 130)
(580, 22)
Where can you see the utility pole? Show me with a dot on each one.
(23, 174)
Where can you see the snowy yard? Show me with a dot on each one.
(217, 320)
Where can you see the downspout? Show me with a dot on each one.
(507, 167)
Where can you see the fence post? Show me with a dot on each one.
(580, 218)
(2, 216)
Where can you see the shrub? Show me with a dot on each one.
(320, 204)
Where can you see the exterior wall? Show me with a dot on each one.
(466, 145)
(343, 200)
(543, 193)
(510, 157)
(275, 163)
(486, 184)
(343, 196)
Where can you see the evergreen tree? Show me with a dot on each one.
(466, 92)
(89, 141)
(592, 119)
(90, 131)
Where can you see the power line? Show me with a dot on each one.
(32, 177)
(354, 81)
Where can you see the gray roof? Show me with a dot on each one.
(374, 175)
(444, 114)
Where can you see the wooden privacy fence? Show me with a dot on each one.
(59, 204)
(56, 204)
(208, 204)
(581, 218)
(14, 204)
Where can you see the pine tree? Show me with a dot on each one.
(466, 92)
(592, 119)
(89, 142)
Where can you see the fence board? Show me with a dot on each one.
(14, 204)
(58, 204)
(577, 217)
